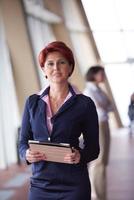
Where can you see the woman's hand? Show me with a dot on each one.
(34, 156)
(73, 158)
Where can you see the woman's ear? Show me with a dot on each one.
(43, 70)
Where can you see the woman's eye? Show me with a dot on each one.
(50, 64)
(62, 62)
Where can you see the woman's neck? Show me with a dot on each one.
(59, 91)
(95, 83)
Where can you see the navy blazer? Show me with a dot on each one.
(75, 117)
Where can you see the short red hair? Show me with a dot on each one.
(57, 46)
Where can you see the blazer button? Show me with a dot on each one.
(49, 138)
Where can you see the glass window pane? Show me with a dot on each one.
(9, 113)
(129, 43)
(121, 81)
(111, 46)
(101, 14)
(44, 33)
(125, 12)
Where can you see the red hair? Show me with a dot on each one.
(57, 46)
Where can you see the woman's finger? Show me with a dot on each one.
(32, 156)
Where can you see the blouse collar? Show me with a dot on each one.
(73, 89)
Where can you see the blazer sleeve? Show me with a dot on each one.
(25, 132)
(90, 134)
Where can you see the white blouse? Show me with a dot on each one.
(101, 100)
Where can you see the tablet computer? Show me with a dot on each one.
(54, 152)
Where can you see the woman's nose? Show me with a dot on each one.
(56, 66)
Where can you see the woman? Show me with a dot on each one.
(59, 115)
(131, 113)
(94, 77)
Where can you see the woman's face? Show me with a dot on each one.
(100, 77)
(57, 68)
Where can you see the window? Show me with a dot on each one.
(113, 30)
(9, 116)
(39, 25)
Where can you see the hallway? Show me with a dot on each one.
(14, 181)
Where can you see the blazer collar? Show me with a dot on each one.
(71, 89)
(66, 105)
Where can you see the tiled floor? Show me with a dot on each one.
(121, 167)
(14, 181)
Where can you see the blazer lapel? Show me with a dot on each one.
(65, 106)
(42, 114)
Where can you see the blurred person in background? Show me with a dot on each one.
(97, 169)
(59, 114)
(131, 113)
